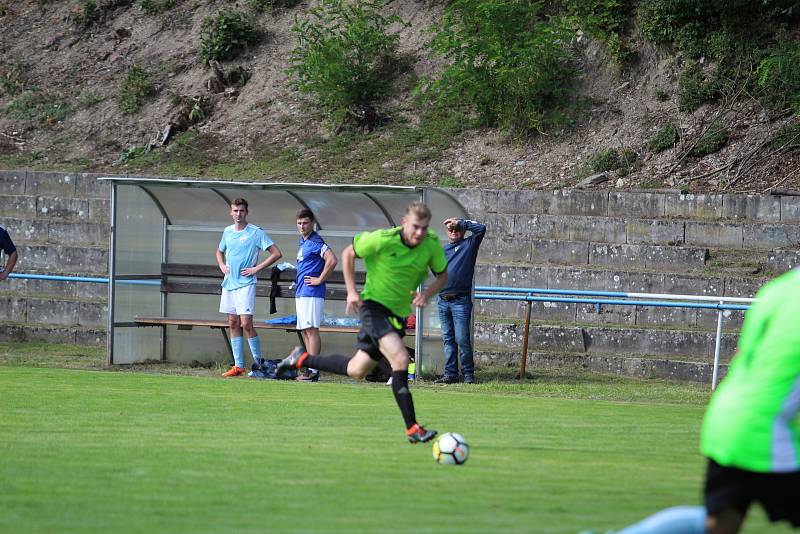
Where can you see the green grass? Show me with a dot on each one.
(101, 451)
(382, 156)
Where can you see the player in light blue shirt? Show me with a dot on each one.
(237, 257)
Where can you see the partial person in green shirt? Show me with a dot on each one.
(397, 261)
(750, 432)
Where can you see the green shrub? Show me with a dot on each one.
(266, 6)
(152, 7)
(787, 136)
(506, 61)
(136, 88)
(605, 160)
(346, 56)
(696, 89)
(778, 76)
(712, 140)
(609, 159)
(665, 138)
(37, 106)
(88, 13)
(603, 20)
(225, 35)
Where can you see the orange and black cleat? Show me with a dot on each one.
(418, 434)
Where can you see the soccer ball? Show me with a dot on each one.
(450, 448)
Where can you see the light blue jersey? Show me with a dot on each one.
(241, 251)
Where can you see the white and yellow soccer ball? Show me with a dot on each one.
(451, 449)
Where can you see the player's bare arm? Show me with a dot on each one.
(274, 255)
(221, 263)
(349, 272)
(330, 264)
(421, 299)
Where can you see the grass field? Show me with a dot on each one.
(102, 450)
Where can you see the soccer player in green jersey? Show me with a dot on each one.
(397, 262)
(751, 432)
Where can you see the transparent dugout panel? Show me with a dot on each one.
(135, 344)
(138, 233)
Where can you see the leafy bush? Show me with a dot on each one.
(88, 13)
(609, 159)
(136, 88)
(156, 6)
(604, 20)
(506, 61)
(788, 136)
(268, 5)
(778, 76)
(37, 106)
(665, 138)
(346, 56)
(712, 140)
(225, 35)
(696, 89)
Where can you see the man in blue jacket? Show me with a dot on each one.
(455, 300)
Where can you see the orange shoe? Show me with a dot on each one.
(234, 371)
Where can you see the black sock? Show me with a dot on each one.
(335, 363)
(402, 396)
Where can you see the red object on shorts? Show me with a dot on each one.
(411, 322)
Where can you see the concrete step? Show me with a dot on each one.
(631, 204)
(53, 184)
(80, 260)
(58, 232)
(506, 232)
(24, 287)
(55, 208)
(586, 278)
(633, 366)
(672, 343)
(564, 252)
(72, 335)
(47, 310)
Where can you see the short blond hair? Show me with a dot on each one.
(420, 209)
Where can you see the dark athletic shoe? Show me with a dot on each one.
(291, 361)
(417, 434)
(446, 379)
(308, 376)
(469, 379)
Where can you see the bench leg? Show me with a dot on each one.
(228, 344)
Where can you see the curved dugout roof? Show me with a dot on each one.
(336, 206)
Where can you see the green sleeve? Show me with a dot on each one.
(367, 243)
(438, 261)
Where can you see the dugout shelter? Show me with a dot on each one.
(158, 222)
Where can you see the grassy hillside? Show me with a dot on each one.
(694, 95)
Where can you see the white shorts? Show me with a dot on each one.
(240, 301)
(309, 311)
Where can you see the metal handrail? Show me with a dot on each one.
(528, 295)
(86, 279)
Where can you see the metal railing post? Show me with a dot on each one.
(715, 372)
(524, 360)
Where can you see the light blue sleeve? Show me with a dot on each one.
(222, 245)
(264, 241)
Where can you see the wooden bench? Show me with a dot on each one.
(206, 279)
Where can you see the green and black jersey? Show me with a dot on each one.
(395, 270)
(752, 419)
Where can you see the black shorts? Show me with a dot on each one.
(729, 487)
(376, 322)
